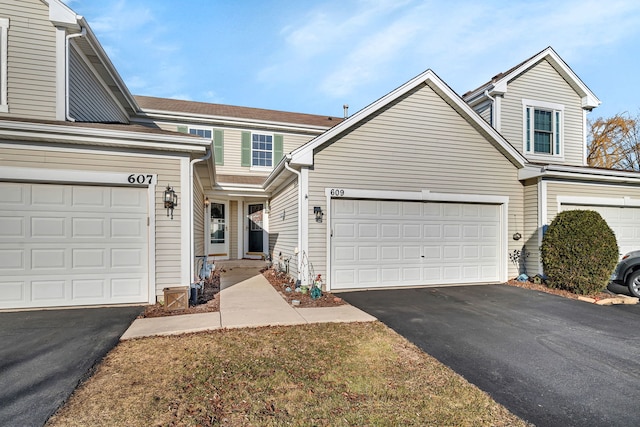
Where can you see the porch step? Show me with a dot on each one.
(241, 263)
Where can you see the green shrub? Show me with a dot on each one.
(579, 252)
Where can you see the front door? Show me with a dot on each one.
(255, 228)
(218, 242)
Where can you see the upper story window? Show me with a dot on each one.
(543, 128)
(4, 32)
(218, 141)
(261, 150)
(204, 133)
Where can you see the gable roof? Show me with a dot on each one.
(498, 83)
(304, 155)
(150, 104)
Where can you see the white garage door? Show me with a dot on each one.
(379, 243)
(65, 245)
(624, 221)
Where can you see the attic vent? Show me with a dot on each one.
(346, 110)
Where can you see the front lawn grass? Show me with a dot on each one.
(358, 374)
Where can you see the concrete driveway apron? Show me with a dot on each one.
(550, 360)
(45, 354)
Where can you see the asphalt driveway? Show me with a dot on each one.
(45, 354)
(550, 360)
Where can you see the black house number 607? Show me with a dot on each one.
(138, 178)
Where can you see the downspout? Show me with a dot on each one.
(66, 88)
(300, 195)
(191, 231)
(493, 108)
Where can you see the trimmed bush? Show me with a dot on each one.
(579, 252)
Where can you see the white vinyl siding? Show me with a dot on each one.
(199, 245)
(89, 101)
(485, 110)
(4, 32)
(168, 237)
(233, 152)
(418, 143)
(529, 242)
(31, 65)
(283, 226)
(543, 83)
(233, 229)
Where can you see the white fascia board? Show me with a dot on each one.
(589, 99)
(154, 115)
(275, 173)
(61, 15)
(82, 135)
(111, 69)
(568, 172)
(600, 201)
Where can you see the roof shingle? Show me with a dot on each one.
(220, 110)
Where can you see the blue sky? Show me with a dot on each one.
(314, 56)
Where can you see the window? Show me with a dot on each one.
(218, 141)
(4, 30)
(203, 133)
(543, 128)
(261, 150)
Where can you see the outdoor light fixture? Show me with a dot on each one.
(206, 202)
(317, 210)
(170, 200)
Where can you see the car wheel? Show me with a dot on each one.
(633, 282)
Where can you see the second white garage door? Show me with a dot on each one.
(383, 243)
(624, 221)
(69, 245)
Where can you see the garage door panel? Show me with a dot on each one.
(390, 231)
(390, 253)
(48, 259)
(458, 242)
(48, 197)
(87, 197)
(93, 258)
(64, 245)
(48, 227)
(369, 231)
(89, 289)
(623, 220)
(89, 228)
(12, 227)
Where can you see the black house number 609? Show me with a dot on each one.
(138, 178)
(337, 192)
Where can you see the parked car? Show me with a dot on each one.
(627, 272)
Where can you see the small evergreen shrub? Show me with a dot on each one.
(579, 252)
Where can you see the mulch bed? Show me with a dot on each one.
(560, 292)
(280, 281)
(208, 302)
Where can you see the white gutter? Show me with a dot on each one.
(66, 89)
(300, 196)
(191, 257)
(146, 116)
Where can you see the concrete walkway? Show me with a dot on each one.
(247, 299)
